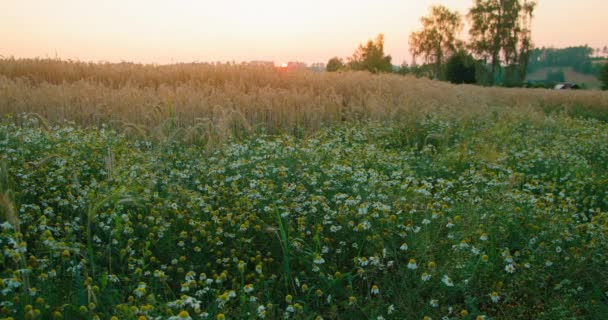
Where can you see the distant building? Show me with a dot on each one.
(566, 86)
(261, 63)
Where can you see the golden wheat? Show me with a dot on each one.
(220, 100)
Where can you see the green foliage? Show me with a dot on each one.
(483, 73)
(371, 57)
(438, 39)
(420, 71)
(604, 76)
(579, 58)
(404, 69)
(512, 76)
(501, 34)
(556, 76)
(501, 215)
(335, 64)
(460, 68)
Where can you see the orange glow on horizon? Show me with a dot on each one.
(158, 31)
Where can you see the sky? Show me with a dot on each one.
(155, 31)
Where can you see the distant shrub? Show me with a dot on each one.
(460, 68)
(604, 77)
(370, 57)
(334, 64)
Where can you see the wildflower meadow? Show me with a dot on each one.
(494, 217)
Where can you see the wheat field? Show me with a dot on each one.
(229, 99)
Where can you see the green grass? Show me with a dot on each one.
(505, 216)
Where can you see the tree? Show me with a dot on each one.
(371, 57)
(604, 77)
(501, 34)
(460, 68)
(438, 38)
(334, 64)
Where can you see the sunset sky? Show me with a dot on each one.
(242, 30)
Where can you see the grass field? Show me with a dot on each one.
(229, 192)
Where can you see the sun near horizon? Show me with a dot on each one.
(237, 30)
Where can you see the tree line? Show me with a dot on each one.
(579, 58)
(499, 50)
(499, 46)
